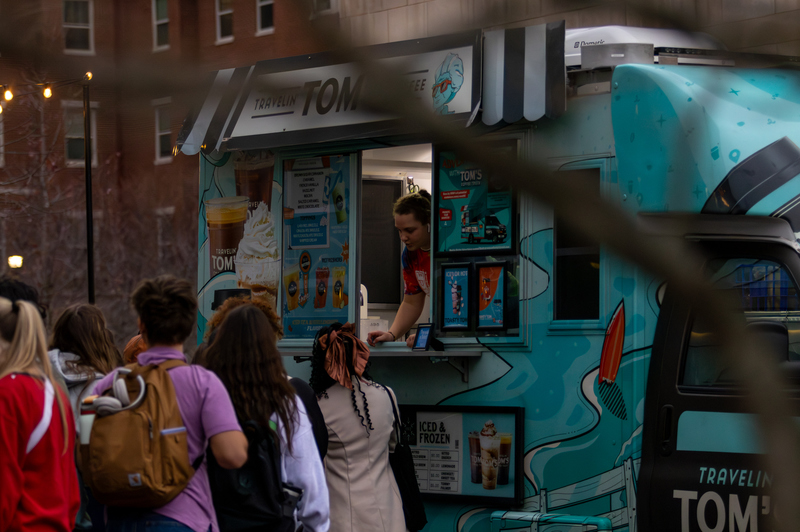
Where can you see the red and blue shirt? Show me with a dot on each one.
(416, 271)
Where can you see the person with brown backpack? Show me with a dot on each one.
(144, 458)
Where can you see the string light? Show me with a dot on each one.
(48, 90)
(7, 94)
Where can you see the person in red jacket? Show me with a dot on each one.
(38, 483)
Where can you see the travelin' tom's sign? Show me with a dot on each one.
(308, 93)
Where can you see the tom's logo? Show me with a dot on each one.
(449, 78)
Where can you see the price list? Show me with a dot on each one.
(438, 453)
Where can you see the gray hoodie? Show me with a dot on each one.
(76, 379)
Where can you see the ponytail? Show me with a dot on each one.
(23, 342)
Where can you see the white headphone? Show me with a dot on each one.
(119, 399)
(429, 228)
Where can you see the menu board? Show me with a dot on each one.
(474, 453)
(316, 216)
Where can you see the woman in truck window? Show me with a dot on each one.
(412, 218)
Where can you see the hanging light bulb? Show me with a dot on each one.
(7, 94)
(48, 91)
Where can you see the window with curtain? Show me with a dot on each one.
(78, 30)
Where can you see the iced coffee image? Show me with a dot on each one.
(291, 282)
(490, 455)
(321, 276)
(253, 173)
(225, 218)
(339, 297)
(258, 265)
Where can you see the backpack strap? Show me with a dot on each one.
(41, 429)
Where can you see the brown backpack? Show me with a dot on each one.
(137, 454)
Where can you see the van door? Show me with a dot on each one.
(701, 468)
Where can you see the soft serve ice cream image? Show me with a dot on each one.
(258, 265)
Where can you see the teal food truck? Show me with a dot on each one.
(572, 386)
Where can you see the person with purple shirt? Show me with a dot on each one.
(167, 307)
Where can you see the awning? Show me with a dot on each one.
(524, 74)
(204, 130)
(314, 98)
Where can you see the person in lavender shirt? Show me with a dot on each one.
(167, 307)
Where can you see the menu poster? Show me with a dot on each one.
(491, 295)
(455, 296)
(316, 254)
(470, 452)
(473, 216)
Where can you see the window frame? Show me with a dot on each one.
(218, 14)
(333, 10)
(156, 23)
(259, 29)
(71, 106)
(159, 105)
(586, 326)
(89, 27)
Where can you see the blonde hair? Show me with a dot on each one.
(25, 348)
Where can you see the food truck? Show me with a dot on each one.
(569, 381)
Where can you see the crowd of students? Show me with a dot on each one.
(333, 436)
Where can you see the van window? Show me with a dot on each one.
(768, 296)
(577, 262)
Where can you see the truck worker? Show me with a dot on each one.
(412, 218)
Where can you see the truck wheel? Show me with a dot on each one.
(494, 238)
(471, 239)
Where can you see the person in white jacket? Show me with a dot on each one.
(82, 351)
(245, 357)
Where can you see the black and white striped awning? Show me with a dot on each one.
(524, 74)
(206, 129)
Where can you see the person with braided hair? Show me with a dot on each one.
(412, 218)
(358, 413)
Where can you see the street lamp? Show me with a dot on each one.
(87, 163)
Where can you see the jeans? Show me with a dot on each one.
(145, 522)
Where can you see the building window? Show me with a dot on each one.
(266, 24)
(325, 7)
(78, 28)
(224, 21)
(73, 133)
(160, 25)
(163, 131)
(577, 262)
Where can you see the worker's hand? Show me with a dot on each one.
(410, 341)
(379, 337)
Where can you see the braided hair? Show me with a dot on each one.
(320, 381)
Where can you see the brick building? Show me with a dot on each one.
(149, 57)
